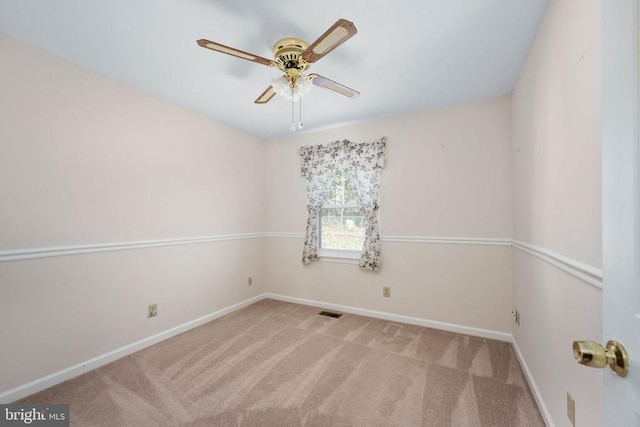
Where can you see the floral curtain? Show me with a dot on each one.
(318, 188)
(363, 163)
(366, 184)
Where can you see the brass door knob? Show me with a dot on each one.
(593, 354)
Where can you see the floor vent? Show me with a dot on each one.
(330, 314)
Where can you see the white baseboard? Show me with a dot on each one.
(467, 330)
(96, 362)
(534, 387)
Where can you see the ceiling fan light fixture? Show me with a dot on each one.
(304, 85)
(301, 87)
(281, 85)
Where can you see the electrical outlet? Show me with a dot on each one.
(571, 409)
(386, 291)
(153, 310)
(250, 281)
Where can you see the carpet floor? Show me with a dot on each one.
(281, 364)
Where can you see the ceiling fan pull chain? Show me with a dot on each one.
(300, 116)
(292, 126)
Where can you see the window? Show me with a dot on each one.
(343, 184)
(341, 224)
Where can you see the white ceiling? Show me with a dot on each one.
(408, 55)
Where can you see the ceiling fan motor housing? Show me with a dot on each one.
(287, 53)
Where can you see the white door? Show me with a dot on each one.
(621, 203)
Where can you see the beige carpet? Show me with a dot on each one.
(281, 364)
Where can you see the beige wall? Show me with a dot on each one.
(557, 197)
(447, 175)
(86, 160)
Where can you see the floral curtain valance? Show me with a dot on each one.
(363, 163)
(343, 155)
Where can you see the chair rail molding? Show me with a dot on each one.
(584, 272)
(26, 254)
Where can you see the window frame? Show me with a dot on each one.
(343, 256)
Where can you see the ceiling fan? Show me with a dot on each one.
(294, 56)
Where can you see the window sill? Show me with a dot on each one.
(339, 256)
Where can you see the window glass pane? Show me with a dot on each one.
(341, 191)
(341, 228)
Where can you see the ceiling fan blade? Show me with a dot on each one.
(336, 87)
(266, 96)
(339, 33)
(234, 52)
